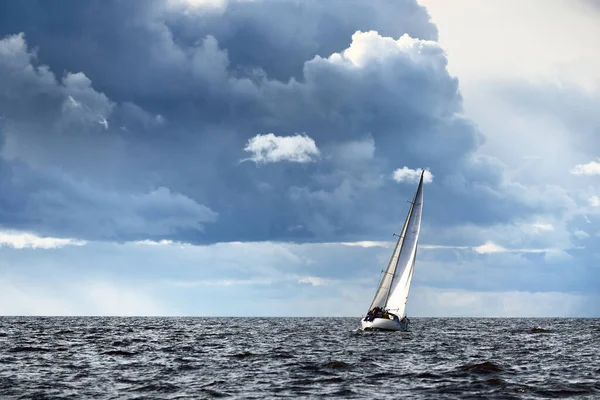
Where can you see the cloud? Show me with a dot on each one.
(87, 210)
(539, 107)
(52, 160)
(197, 5)
(556, 60)
(21, 240)
(542, 227)
(155, 155)
(313, 280)
(310, 280)
(142, 154)
(111, 299)
(154, 243)
(591, 168)
(490, 247)
(406, 174)
(366, 244)
(220, 282)
(96, 298)
(243, 26)
(594, 201)
(270, 148)
(354, 154)
(273, 279)
(579, 234)
(486, 248)
(133, 133)
(442, 247)
(435, 302)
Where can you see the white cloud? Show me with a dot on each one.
(442, 247)
(486, 248)
(525, 132)
(368, 47)
(591, 168)
(154, 243)
(433, 302)
(21, 240)
(103, 122)
(491, 247)
(365, 244)
(406, 174)
(18, 297)
(270, 148)
(538, 228)
(220, 282)
(594, 201)
(71, 102)
(187, 281)
(313, 280)
(542, 227)
(549, 54)
(206, 3)
(109, 299)
(579, 234)
(198, 5)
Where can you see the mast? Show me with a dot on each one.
(408, 216)
(383, 291)
(398, 295)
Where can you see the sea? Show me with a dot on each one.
(263, 358)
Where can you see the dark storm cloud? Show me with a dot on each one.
(137, 50)
(144, 113)
(279, 36)
(52, 204)
(52, 130)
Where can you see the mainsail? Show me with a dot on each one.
(394, 287)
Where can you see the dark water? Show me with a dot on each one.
(170, 358)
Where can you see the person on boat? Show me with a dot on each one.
(370, 315)
(376, 312)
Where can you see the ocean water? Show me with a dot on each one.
(177, 358)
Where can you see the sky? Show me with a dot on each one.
(254, 157)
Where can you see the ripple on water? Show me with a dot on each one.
(119, 353)
(481, 368)
(297, 357)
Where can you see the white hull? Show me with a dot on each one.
(383, 324)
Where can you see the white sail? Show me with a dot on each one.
(385, 286)
(396, 302)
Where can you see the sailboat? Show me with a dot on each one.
(387, 310)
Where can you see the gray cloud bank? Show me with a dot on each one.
(128, 120)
